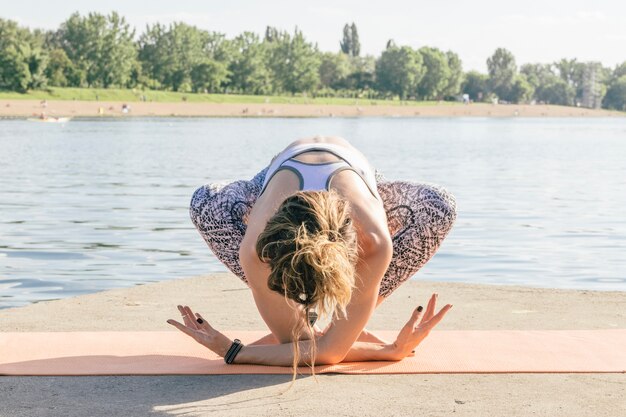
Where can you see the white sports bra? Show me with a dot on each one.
(318, 176)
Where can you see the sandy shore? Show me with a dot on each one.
(30, 108)
(229, 304)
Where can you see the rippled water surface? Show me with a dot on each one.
(97, 204)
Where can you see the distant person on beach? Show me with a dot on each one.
(320, 233)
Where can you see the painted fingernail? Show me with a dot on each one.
(413, 351)
(419, 309)
(200, 320)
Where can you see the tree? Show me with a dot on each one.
(22, 58)
(399, 70)
(573, 73)
(594, 84)
(350, 44)
(502, 70)
(356, 44)
(475, 85)
(455, 77)
(522, 90)
(208, 76)
(100, 46)
(615, 97)
(538, 74)
(435, 79)
(170, 54)
(549, 86)
(362, 73)
(294, 63)
(60, 71)
(556, 91)
(249, 74)
(271, 34)
(334, 69)
(346, 42)
(619, 70)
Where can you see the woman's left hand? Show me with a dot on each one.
(201, 331)
(416, 330)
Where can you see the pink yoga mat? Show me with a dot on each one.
(172, 352)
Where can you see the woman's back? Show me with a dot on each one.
(355, 184)
(366, 215)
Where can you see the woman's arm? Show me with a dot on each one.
(276, 354)
(408, 338)
(282, 355)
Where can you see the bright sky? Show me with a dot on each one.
(534, 30)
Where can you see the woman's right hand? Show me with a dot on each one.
(416, 330)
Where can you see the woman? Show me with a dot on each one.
(319, 232)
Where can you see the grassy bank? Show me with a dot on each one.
(105, 94)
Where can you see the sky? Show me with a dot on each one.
(534, 31)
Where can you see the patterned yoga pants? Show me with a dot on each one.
(419, 218)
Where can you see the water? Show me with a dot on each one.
(98, 204)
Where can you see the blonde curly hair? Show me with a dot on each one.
(310, 244)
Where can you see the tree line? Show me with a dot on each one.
(104, 51)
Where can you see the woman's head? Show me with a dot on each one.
(311, 247)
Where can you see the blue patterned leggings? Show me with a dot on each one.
(419, 218)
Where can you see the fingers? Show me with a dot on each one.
(182, 328)
(188, 317)
(430, 309)
(417, 313)
(438, 317)
(192, 318)
(204, 325)
(184, 314)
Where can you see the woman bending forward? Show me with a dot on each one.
(318, 232)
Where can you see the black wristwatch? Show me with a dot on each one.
(233, 351)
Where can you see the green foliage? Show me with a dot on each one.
(556, 91)
(522, 90)
(341, 97)
(399, 71)
(100, 47)
(271, 34)
(170, 54)
(475, 85)
(573, 73)
(100, 51)
(615, 97)
(350, 44)
(57, 69)
(334, 69)
(362, 74)
(22, 58)
(208, 76)
(538, 74)
(619, 70)
(502, 69)
(435, 80)
(455, 77)
(249, 73)
(356, 44)
(294, 63)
